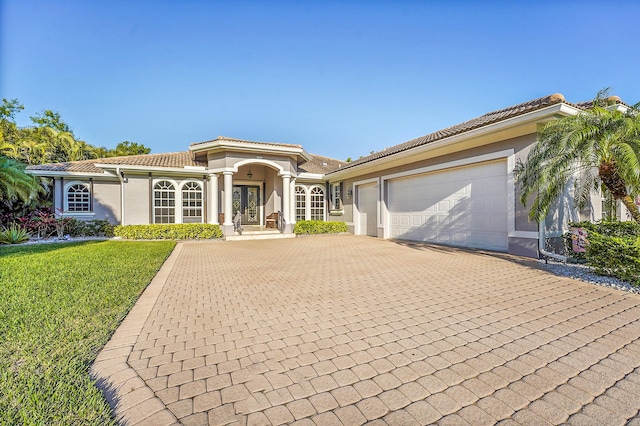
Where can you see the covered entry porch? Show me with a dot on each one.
(255, 196)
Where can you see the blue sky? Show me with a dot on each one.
(342, 78)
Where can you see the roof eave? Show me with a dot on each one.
(62, 173)
(191, 170)
(538, 115)
(248, 147)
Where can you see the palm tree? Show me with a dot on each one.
(15, 184)
(598, 147)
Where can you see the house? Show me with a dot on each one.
(454, 186)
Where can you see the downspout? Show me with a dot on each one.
(121, 177)
(542, 251)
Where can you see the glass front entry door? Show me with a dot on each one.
(246, 200)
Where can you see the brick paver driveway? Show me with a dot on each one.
(348, 330)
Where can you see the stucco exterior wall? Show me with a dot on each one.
(106, 200)
(228, 160)
(137, 200)
(520, 146)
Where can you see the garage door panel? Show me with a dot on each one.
(464, 206)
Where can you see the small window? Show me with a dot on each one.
(336, 196)
(301, 204)
(78, 198)
(192, 202)
(317, 203)
(164, 202)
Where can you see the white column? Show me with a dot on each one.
(213, 199)
(292, 202)
(286, 203)
(228, 190)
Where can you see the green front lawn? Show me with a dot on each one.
(59, 304)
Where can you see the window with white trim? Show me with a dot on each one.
(317, 203)
(191, 202)
(336, 196)
(164, 202)
(301, 203)
(78, 198)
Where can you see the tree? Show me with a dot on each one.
(50, 139)
(8, 128)
(15, 184)
(596, 148)
(130, 148)
(51, 119)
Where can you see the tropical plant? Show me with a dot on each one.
(15, 184)
(14, 235)
(50, 139)
(598, 147)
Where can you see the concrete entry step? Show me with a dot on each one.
(252, 235)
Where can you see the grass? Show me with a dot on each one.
(59, 304)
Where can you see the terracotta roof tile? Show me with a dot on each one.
(486, 119)
(320, 165)
(170, 160)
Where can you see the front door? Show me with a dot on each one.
(246, 200)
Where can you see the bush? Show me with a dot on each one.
(628, 229)
(14, 235)
(87, 228)
(613, 249)
(186, 231)
(615, 256)
(319, 227)
(43, 223)
(611, 229)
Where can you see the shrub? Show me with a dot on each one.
(44, 223)
(615, 256)
(186, 231)
(319, 227)
(629, 229)
(87, 228)
(14, 235)
(611, 229)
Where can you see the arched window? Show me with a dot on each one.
(164, 202)
(191, 203)
(78, 198)
(301, 203)
(317, 203)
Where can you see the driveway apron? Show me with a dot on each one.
(349, 330)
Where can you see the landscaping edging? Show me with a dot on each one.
(130, 398)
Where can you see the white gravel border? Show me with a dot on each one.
(584, 273)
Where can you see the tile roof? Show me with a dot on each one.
(483, 120)
(170, 160)
(224, 138)
(320, 165)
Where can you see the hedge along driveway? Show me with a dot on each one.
(59, 304)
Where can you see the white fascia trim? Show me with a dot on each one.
(278, 167)
(248, 147)
(51, 173)
(461, 137)
(125, 167)
(311, 176)
(508, 154)
(356, 212)
(456, 163)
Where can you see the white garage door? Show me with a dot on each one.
(367, 210)
(465, 206)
